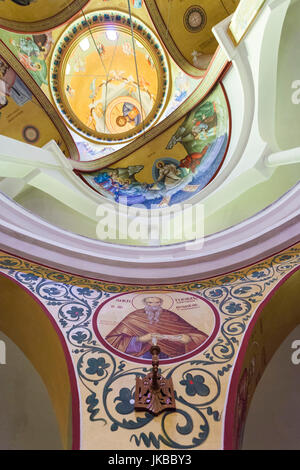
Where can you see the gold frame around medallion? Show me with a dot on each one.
(78, 126)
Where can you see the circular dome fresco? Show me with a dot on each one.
(107, 87)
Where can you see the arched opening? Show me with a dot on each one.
(27, 323)
(273, 423)
(28, 421)
(277, 318)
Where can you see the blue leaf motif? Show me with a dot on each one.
(195, 385)
(96, 366)
(126, 400)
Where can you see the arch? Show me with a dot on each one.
(275, 318)
(273, 424)
(30, 326)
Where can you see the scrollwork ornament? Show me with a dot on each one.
(107, 381)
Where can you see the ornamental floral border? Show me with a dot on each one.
(106, 382)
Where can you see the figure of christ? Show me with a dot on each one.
(153, 324)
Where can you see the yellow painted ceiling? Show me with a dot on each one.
(172, 20)
(37, 15)
(188, 24)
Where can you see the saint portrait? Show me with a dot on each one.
(180, 323)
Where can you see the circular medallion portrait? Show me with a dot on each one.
(181, 323)
(31, 134)
(194, 19)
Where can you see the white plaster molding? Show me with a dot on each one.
(268, 70)
(268, 232)
(286, 157)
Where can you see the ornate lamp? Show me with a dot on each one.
(153, 392)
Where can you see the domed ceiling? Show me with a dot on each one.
(191, 158)
(87, 60)
(115, 72)
(109, 82)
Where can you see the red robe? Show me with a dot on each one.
(137, 324)
(193, 160)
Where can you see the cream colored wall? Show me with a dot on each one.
(274, 414)
(27, 419)
(251, 200)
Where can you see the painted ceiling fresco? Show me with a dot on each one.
(37, 15)
(108, 87)
(216, 333)
(107, 99)
(121, 320)
(119, 96)
(192, 157)
(22, 109)
(35, 51)
(186, 28)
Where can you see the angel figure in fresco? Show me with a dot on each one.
(127, 49)
(100, 48)
(93, 89)
(198, 128)
(96, 116)
(70, 91)
(79, 64)
(144, 85)
(135, 333)
(197, 134)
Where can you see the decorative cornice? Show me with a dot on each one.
(270, 231)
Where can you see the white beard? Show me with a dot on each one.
(153, 313)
